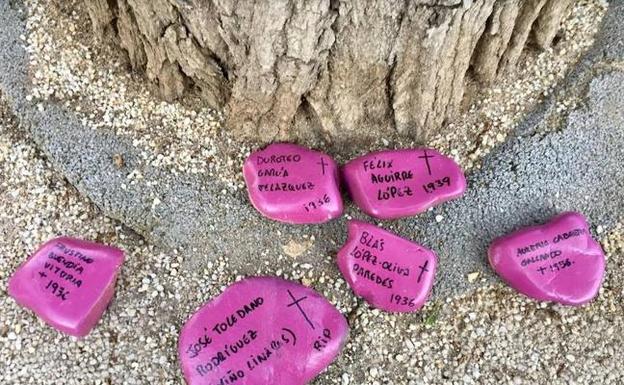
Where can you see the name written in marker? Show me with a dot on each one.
(278, 159)
(230, 320)
(396, 176)
(229, 350)
(74, 253)
(286, 187)
(394, 192)
(281, 172)
(373, 164)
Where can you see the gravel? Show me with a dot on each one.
(176, 209)
(489, 336)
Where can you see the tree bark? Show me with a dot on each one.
(338, 70)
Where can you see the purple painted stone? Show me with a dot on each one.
(399, 183)
(68, 283)
(259, 331)
(558, 261)
(389, 272)
(293, 184)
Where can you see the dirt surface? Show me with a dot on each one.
(177, 209)
(490, 336)
(562, 156)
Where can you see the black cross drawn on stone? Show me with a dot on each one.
(323, 164)
(42, 274)
(541, 270)
(296, 302)
(423, 268)
(426, 158)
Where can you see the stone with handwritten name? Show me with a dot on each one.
(261, 330)
(558, 261)
(68, 283)
(399, 183)
(388, 271)
(293, 184)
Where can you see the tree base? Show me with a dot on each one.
(339, 71)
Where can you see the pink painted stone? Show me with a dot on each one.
(558, 261)
(68, 283)
(293, 184)
(399, 183)
(389, 272)
(259, 331)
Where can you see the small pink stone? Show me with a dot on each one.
(260, 331)
(399, 183)
(293, 184)
(68, 283)
(558, 261)
(389, 272)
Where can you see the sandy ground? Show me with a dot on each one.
(88, 109)
(490, 336)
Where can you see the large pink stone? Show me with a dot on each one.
(259, 331)
(558, 261)
(68, 283)
(389, 272)
(293, 184)
(399, 183)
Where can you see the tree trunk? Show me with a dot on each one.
(338, 70)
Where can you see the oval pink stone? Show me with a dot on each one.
(558, 261)
(68, 283)
(389, 272)
(259, 331)
(399, 183)
(293, 184)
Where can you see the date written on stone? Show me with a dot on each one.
(57, 290)
(293, 184)
(318, 203)
(431, 187)
(557, 261)
(68, 283)
(398, 183)
(389, 272)
(261, 330)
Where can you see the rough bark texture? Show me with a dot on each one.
(340, 70)
(547, 24)
(494, 41)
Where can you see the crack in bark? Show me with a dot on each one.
(390, 79)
